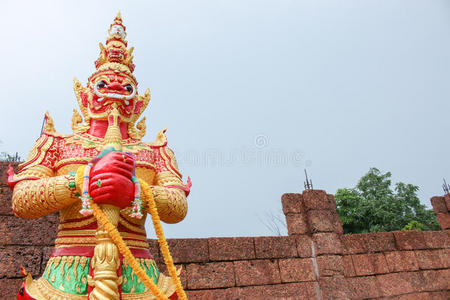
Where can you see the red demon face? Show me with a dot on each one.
(115, 54)
(109, 88)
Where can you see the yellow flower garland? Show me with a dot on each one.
(125, 251)
(168, 260)
(117, 239)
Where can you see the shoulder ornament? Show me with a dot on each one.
(37, 153)
(161, 139)
(49, 127)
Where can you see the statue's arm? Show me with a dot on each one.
(36, 191)
(168, 190)
(36, 198)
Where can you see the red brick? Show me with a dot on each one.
(304, 243)
(441, 295)
(275, 247)
(292, 203)
(369, 264)
(429, 259)
(46, 254)
(330, 265)
(256, 272)
(161, 266)
(401, 261)
(364, 287)
(10, 287)
(444, 255)
(12, 257)
(296, 270)
(17, 231)
(210, 275)
(437, 239)
(409, 240)
(229, 293)
(296, 224)
(349, 269)
(189, 250)
(154, 249)
(444, 220)
(334, 288)
(447, 201)
(331, 202)
(201, 294)
(337, 224)
(416, 279)
(380, 241)
(435, 280)
(438, 204)
(394, 284)
(327, 243)
(354, 243)
(322, 220)
(5, 201)
(415, 296)
(316, 199)
(234, 248)
(291, 291)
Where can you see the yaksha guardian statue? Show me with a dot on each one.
(103, 179)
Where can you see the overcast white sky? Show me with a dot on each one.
(251, 92)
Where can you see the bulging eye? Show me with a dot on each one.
(101, 84)
(129, 88)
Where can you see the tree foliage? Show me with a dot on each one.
(373, 206)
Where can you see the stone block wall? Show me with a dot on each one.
(24, 243)
(315, 260)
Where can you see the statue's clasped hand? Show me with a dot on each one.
(111, 180)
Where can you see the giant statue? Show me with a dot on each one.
(103, 180)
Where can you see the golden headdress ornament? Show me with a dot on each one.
(115, 56)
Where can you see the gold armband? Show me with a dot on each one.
(36, 198)
(171, 203)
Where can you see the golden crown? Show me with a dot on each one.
(115, 56)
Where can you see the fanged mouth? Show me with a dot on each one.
(115, 55)
(102, 96)
(114, 96)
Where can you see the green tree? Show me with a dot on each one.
(373, 206)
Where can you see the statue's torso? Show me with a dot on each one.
(68, 268)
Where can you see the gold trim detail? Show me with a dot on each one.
(41, 289)
(131, 227)
(76, 232)
(72, 159)
(164, 284)
(66, 242)
(35, 171)
(77, 128)
(76, 224)
(37, 153)
(63, 236)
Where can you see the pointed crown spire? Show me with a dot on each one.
(115, 55)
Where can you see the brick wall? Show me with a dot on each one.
(315, 261)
